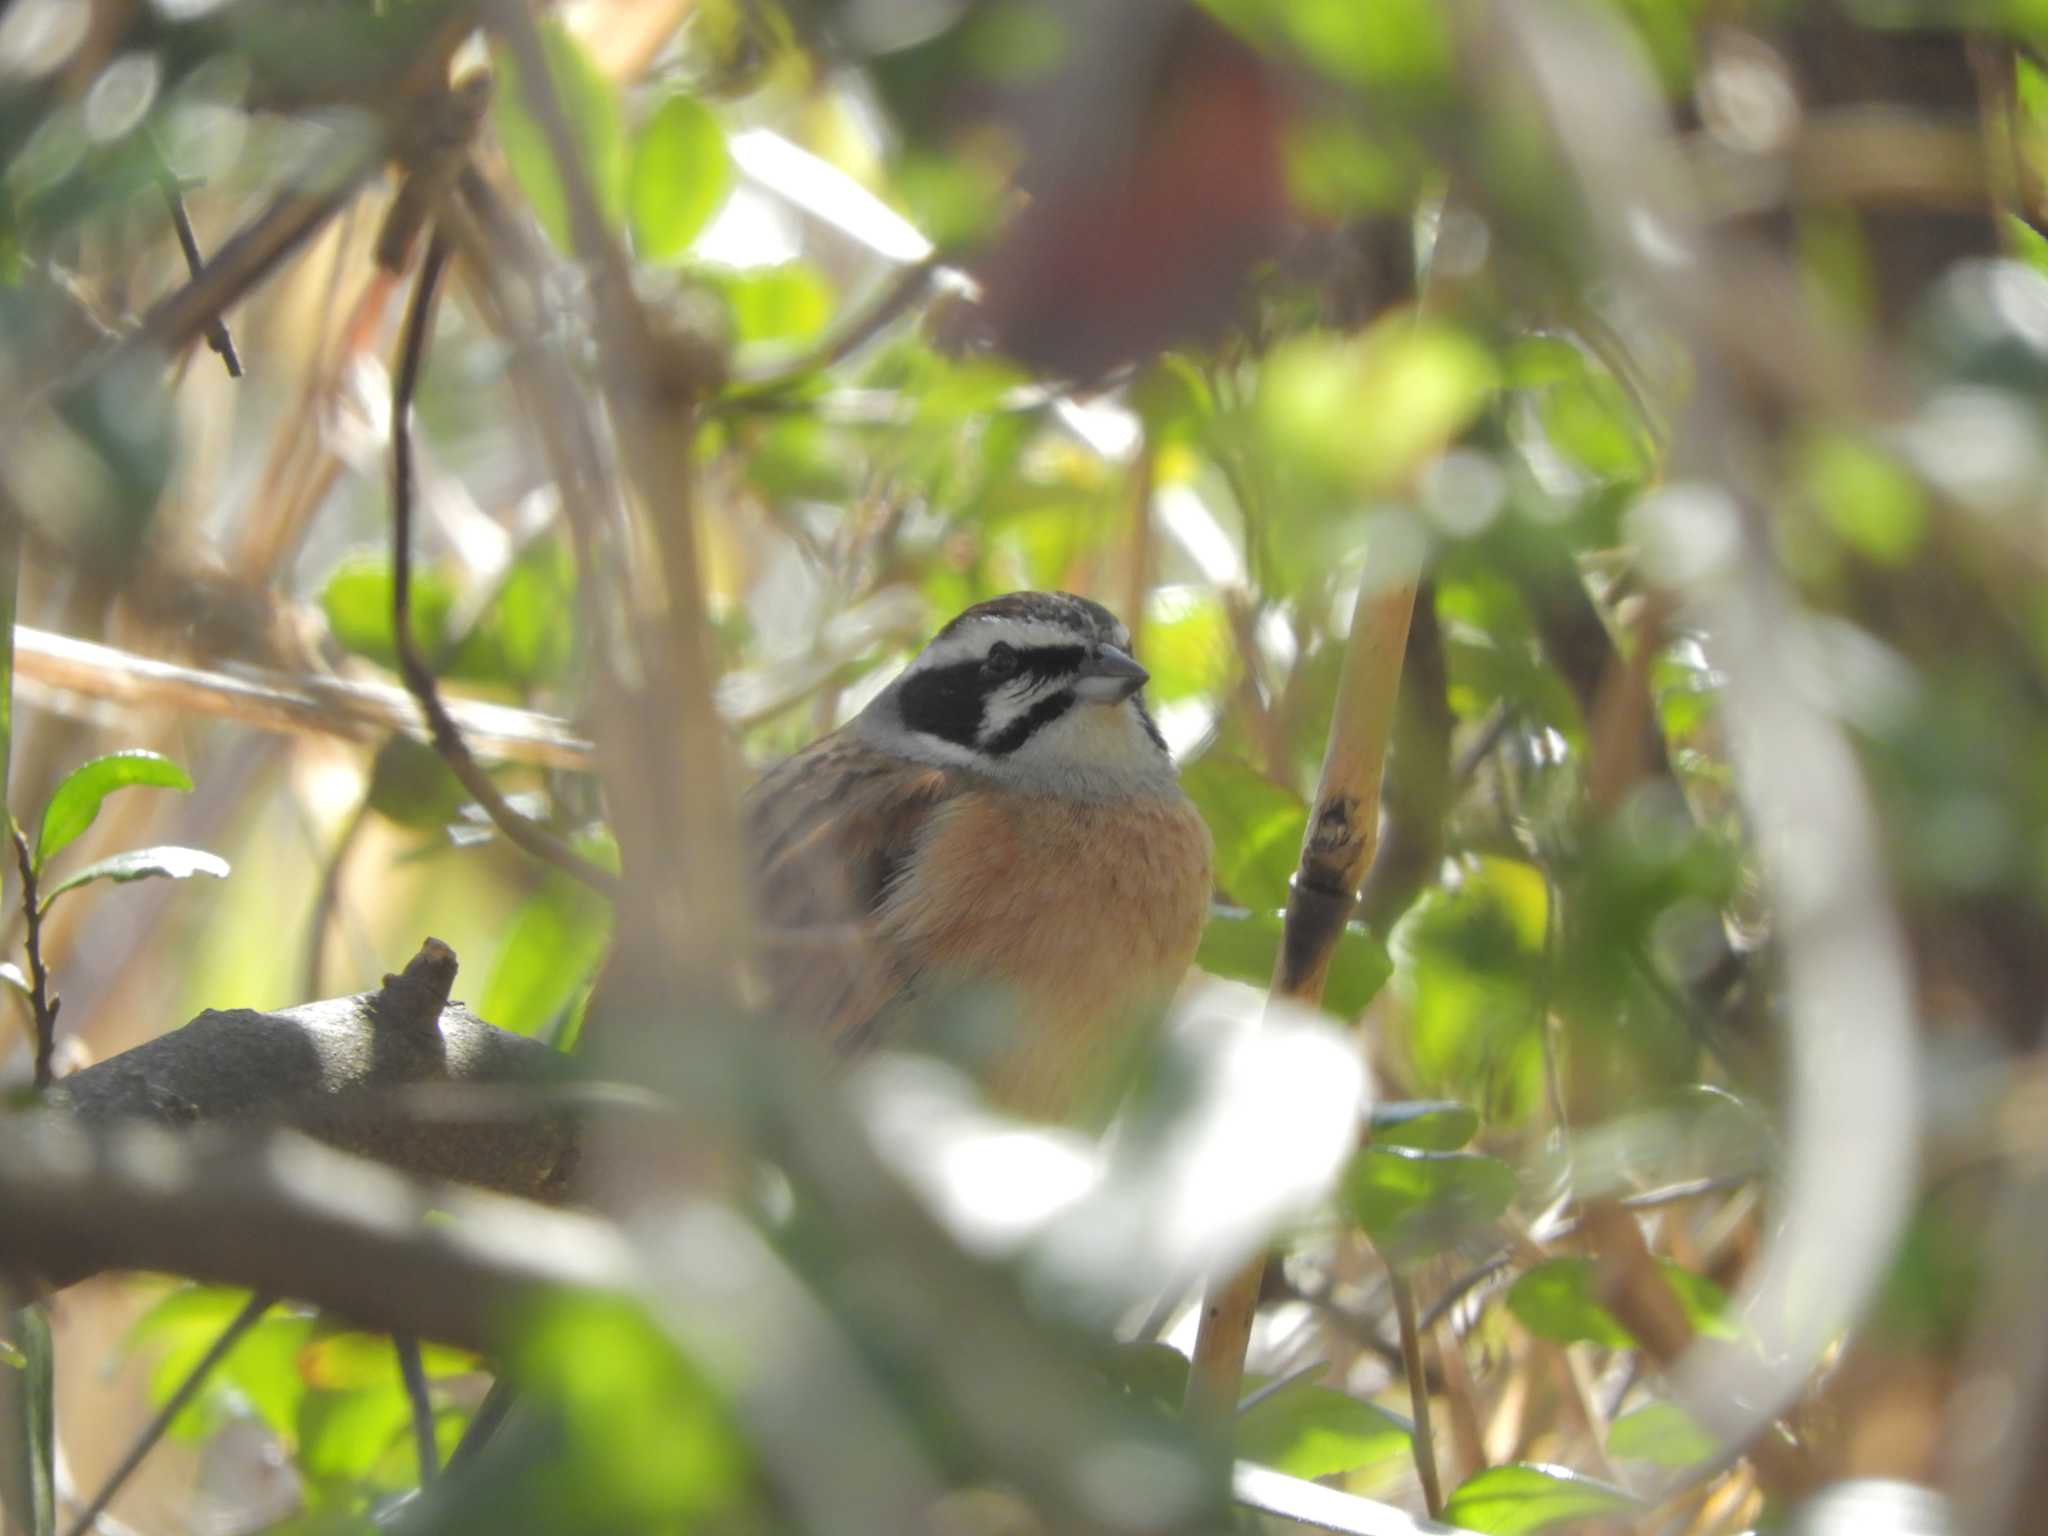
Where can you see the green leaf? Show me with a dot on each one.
(682, 174)
(260, 1372)
(552, 945)
(1149, 1370)
(1257, 826)
(1869, 499)
(1310, 1431)
(357, 602)
(1386, 43)
(1413, 1204)
(1431, 1125)
(1366, 412)
(1560, 1300)
(1522, 1499)
(1706, 1304)
(1243, 946)
(348, 1360)
(76, 801)
(166, 862)
(645, 1437)
(342, 1435)
(410, 784)
(787, 303)
(527, 634)
(1663, 1433)
(10, 975)
(1468, 960)
(591, 104)
(28, 1434)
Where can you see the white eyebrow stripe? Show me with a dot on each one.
(972, 641)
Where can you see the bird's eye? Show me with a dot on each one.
(1001, 661)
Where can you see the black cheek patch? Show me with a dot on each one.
(1021, 729)
(944, 702)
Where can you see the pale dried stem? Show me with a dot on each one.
(1343, 830)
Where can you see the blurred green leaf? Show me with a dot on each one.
(1414, 1204)
(11, 976)
(1430, 1125)
(1311, 1431)
(1150, 1370)
(646, 1438)
(1390, 42)
(1706, 1304)
(1559, 1300)
(551, 948)
(1934, 1290)
(1868, 498)
(77, 799)
(787, 303)
(1468, 960)
(1186, 645)
(526, 635)
(260, 1373)
(1523, 1499)
(1244, 945)
(1337, 170)
(1663, 1433)
(1367, 411)
(681, 176)
(165, 862)
(955, 200)
(590, 103)
(342, 1436)
(357, 602)
(1257, 826)
(411, 785)
(345, 1360)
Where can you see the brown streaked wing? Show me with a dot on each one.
(829, 828)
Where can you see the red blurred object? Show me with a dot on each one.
(1155, 183)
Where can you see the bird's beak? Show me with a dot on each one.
(1110, 676)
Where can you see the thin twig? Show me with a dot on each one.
(313, 703)
(522, 831)
(154, 1430)
(217, 336)
(1424, 1438)
(1670, 1194)
(414, 1373)
(41, 1004)
(489, 1417)
(902, 295)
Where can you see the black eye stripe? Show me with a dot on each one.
(1021, 729)
(1044, 662)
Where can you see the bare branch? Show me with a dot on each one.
(523, 831)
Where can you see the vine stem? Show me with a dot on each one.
(522, 831)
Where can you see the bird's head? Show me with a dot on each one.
(1038, 689)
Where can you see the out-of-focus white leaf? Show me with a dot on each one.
(1247, 1118)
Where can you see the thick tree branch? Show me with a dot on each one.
(277, 1212)
(400, 1075)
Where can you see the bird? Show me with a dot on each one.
(1003, 820)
